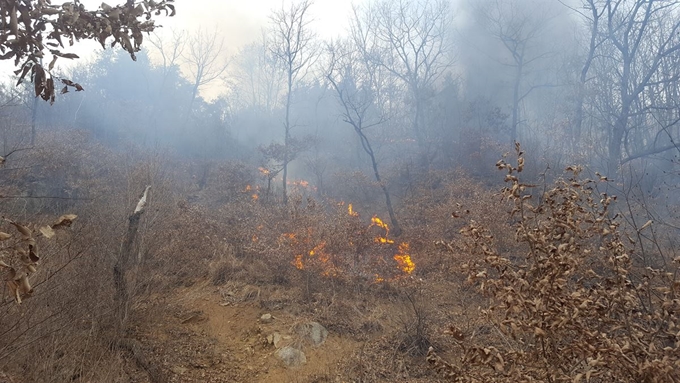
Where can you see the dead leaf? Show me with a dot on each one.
(25, 231)
(64, 221)
(47, 231)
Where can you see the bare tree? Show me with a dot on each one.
(171, 52)
(293, 45)
(634, 59)
(409, 38)
(517, 27)
(204, 59)
(356, 82)
(592, 14)
(256, 81)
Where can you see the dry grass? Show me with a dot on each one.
(559, 291)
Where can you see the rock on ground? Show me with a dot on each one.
(312, 332)
(291, 357)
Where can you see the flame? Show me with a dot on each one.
(317, 248)
(351, 211)
(379, 279)
(265, 172)
(247, 189)
(302, 183)
(255, 238)
(298, 262)
(321, 257)
(383, 240)
(375, 221)
(255, 197)
(404, 259)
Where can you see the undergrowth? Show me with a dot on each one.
(572, 305)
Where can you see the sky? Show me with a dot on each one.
(239, 21)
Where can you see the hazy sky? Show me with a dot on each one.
(240, 21)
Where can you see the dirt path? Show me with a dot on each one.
(201, 338)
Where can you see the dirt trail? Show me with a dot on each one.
(201, 338)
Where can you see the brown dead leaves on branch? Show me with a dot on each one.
(573, 307)
(19, 254)
(35, 28)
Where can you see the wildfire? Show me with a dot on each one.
(321, 258)
(301, 183)
(375, 221)
(263, 171)
(249, 189)
(313, 256)
(383, 240)
(403, 258)
(298, 262)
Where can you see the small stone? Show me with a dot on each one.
(276, 339)
(266, 318)
(313, 332)
(291, 357)
(178, 370)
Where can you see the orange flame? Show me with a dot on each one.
(248, 188)
(255, 197)
(375, 221)
(318, 248)
(265, 172)
(383, 240)
(351, 211)
(298, 262)
(301, 183)
(403, 258)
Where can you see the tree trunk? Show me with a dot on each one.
(122, 296)
(286, 140)
(615, 142)
(515, 103)
(396, 228)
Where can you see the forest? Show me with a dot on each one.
(446, 191)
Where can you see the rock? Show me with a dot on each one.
(291, 357)
(178, 370)
(266, 318)
(312, 332)
(274, 339)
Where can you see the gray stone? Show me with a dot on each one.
(312, 332)
(266, 318)
(291, 357)
(179, 370)
(274, 339)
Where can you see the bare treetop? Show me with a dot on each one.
(293, 39)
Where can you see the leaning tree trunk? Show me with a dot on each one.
(122, 295)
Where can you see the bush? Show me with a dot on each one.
(573, 307)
